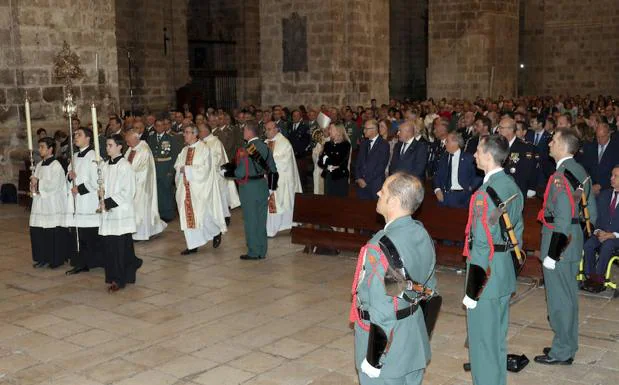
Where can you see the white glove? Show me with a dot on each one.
(549, 263)
(368, 369)
(324, 159)
(469, 302)
(222, 173)
(271, 192)
(331, 168)
(531, 193)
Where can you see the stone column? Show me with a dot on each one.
(347, 52)
(473, 48)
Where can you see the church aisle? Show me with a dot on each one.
(212, 319)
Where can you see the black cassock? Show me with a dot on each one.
(50, 245)
(120, 260)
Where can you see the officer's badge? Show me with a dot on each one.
(372, 259)
(529, 155)
(514, 157)
(512, 170)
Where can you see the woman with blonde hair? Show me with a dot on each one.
(335, 161)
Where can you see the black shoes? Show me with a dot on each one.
(547, 360)
(227, 221)
(139, 263)
(189, 251)
(77, 270)
(217, 241)
(39, 265)
(246, 257)
(546, 350)
(466, 366)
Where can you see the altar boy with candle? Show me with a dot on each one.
(118, 217)
(49, 204)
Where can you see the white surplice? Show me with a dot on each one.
(206, 219)
(147, 220)
(319, 181)
(119, 185)
(288, 185)
(82, 210)
(49, 206)
(229, 194)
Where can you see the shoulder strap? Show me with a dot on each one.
(572, 179)
(392, 254)
(494, 196)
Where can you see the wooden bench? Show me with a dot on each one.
(442, 223)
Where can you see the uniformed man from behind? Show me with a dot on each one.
(391, 340)
(491, 276)
(562, 245)
(522, 160)
(256, 174)
(165, 152)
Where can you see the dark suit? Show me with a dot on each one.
(284, 127)
(547, 164)
(600, 171)
(413, 161)
(522, 165)
(370, 166)
(606, 221)
(299, 139)
(471, 145)
(612, 124)
(435, 150)
(467, 178)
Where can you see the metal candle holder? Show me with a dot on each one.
(32, 168)
(101, 191)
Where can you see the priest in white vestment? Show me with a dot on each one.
(229, 194)
(281, 201)
(147, 220)
(197, 194)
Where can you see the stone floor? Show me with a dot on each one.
(215, 320)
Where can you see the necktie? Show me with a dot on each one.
(448, 186)
(371, 144)
(537, 138)
(601, 152)
(613, 204)
(404, 145)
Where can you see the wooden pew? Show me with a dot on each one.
(442, 223)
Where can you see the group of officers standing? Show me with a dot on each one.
(391, 341)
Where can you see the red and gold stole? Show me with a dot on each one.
(272, 205)
(190, 219)
(131, 156)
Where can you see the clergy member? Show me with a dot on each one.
(281, 201)
(197, 194)
(118, 217)
(49, 203)
(82, 217)
(147, 220)
(227, 188)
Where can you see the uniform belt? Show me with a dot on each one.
(400, 314)
(575, 221)
(454, 191)
(163, 159)
(256, 177)
(497, 248)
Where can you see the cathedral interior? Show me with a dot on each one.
(209, 318)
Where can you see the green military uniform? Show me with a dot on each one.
(491, 279)
(354, 133)
(409, 352)
(561, 218)
(254, 195)
(165, 151)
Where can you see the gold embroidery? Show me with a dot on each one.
(190, 219)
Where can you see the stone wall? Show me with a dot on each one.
(570, 47)
(139, 34)
(31, 33)
(473, 48)
(408, 48)
(347, 50)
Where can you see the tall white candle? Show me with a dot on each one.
(28, 124)
(95, 131)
